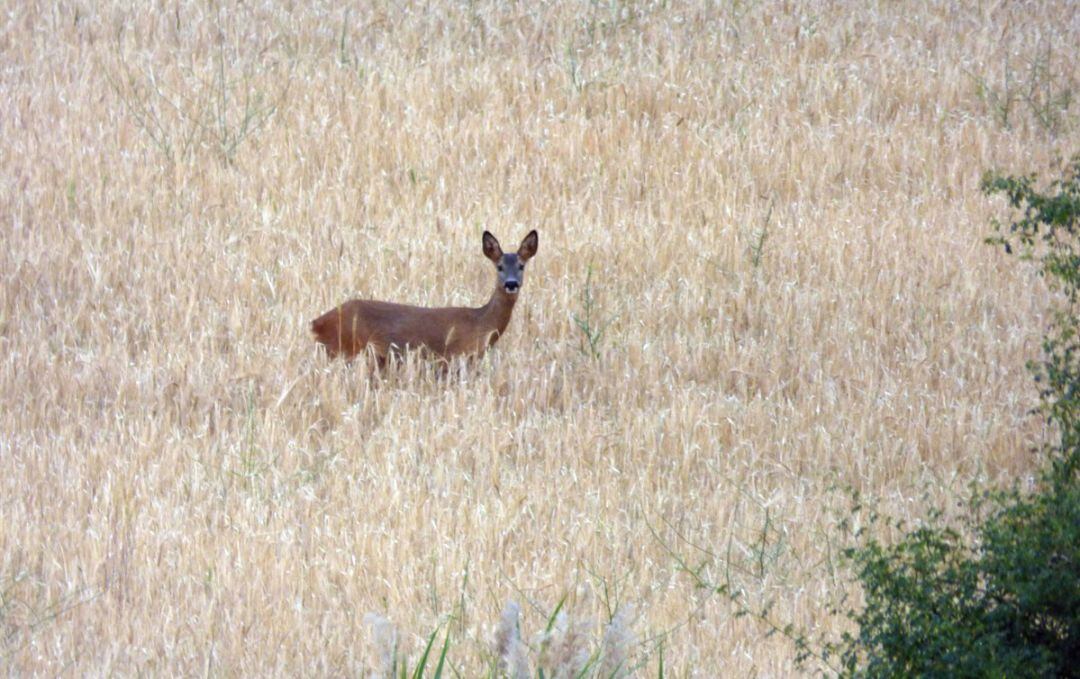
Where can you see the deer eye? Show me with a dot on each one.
(500, 268)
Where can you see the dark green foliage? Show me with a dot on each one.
(1006, 602)
(1008, 607)
(1031, 560)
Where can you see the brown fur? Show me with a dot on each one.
(388, 329)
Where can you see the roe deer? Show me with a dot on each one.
(390, 329)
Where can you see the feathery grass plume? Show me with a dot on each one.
(509, 649)
(384, 637)
(615, 646)
(564, 649)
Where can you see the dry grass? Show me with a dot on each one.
(780, 204)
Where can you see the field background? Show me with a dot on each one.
(779, 203)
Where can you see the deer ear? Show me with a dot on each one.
(529, 245)
(492, 250)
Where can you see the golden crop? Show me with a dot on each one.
(789, 296)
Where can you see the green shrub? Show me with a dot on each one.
(1006, 602)
(1008, 606)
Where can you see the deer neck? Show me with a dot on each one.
(495, 315)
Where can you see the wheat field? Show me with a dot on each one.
(766, 217)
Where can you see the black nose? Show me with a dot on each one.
(511, 286)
